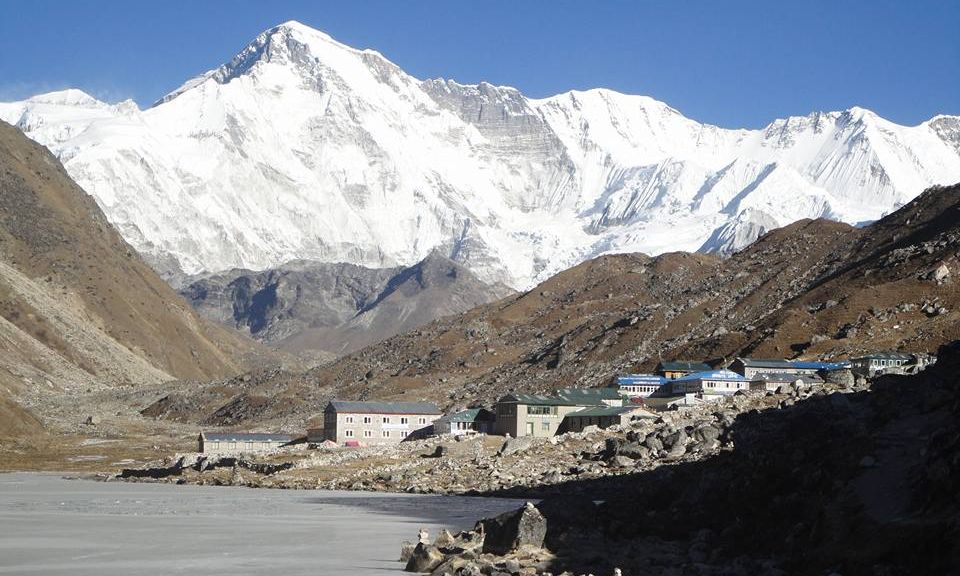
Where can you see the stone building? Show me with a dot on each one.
(880, 362)
(375, 422)
(237, 442)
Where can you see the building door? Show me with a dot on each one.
(529, 428)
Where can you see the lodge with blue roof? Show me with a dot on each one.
(720, 382)
(642, 385)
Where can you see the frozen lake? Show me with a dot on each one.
(49, 525)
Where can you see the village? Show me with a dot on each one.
(675, 385)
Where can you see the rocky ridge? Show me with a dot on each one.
(329, 310)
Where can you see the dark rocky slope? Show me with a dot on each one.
(335, 309)
(859, 483)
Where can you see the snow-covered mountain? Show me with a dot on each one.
(304, 148)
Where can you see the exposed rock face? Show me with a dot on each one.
(335, 309)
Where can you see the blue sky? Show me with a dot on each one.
(730, 63)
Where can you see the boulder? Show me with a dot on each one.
(622, 462)
(706, 435)
(515, 445)
(510, 531)
(406, 551)
(941, 273)
(444, 539)
(635, 450)
(653, 443)
(92, 420)
(678, 437)
(611, 447)
(841, 377)
(424, 558)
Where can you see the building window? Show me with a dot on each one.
(545, 426)
(386, 419)
(249, 445)
(422, 420)
(348, 433)
(386, 433)
(349, 419)
(539, 410)
(404, 420)
(368, 433)
(232, 446)
(367, 420)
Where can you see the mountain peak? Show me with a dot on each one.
(289, 44)
(68, 97)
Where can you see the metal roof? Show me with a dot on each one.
(886, 355)
(350, 407)
(724, 375)
(683, 366)
(767, 363)
(819, 365)
(598, 411)
(589, 394)
(641, 379)
(469, 415)
(536, 400)
(246, 437)
(785, 378)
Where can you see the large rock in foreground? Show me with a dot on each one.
(424, 558)
(507, 532)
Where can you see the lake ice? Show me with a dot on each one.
(49, 525)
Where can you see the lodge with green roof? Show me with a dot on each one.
(545, 415)
(472, 420)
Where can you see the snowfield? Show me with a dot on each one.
(304, 148)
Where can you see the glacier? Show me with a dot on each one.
(303, 148)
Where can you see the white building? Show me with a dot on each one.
(642, 385)
(714, 382)
(347, 422)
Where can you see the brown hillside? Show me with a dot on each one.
(53, 232)
(811, 289)
(79, 310)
